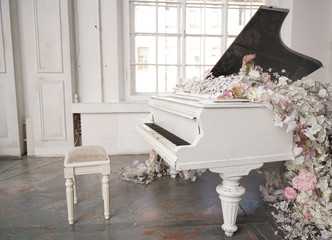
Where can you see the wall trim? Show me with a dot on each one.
(42, 114)
(120, 107)
(2, 42)
(59, 67)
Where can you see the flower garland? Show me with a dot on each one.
(304, 107)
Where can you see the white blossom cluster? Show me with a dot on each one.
(304, 207)
(145, 173)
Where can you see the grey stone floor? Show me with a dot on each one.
(33, 205)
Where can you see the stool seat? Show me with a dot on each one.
(86, 154)
(86, 160)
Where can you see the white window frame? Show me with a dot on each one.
(128, 54)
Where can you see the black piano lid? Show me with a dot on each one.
(261, 36)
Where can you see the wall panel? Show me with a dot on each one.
(3, 118)
(51, 95)
(2, 47)
(48, 35)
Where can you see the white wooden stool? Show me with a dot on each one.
(86, 160)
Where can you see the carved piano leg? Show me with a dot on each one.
(231, 192)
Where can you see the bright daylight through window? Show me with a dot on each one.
(174, 39)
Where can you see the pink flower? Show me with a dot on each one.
(268, 86)
(266, 77)
(282, 101)
(226, 94)
(308, 214)
(247, 58)
(298, 126)
(290, 193)
(305, 181)
(153, 154)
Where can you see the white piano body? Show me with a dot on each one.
(219, 133)
(228, 137)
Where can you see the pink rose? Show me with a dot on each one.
(247, 58)
(308, 215)
(305, 181)
(290, 193)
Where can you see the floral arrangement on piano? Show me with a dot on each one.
(303, 194)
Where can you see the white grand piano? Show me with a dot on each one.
(228, 137)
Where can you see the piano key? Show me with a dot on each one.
(168, 135)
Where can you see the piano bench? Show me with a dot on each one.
(86, 160)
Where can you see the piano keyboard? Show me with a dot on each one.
(168, 135)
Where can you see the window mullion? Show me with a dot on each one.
(183, 34)
(225, 25)
(204, 38)
(157, 51)
(178, 49)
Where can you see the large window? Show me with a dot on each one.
(174, 39)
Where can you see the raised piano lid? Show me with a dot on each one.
(261, 36)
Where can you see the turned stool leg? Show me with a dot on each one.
(106, 195)
(70, 200)
(75, 190)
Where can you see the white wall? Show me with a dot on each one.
(308, 29)
(54, 49)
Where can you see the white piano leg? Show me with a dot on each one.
(230, 194)
(173, 172)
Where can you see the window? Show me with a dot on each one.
(174, 39)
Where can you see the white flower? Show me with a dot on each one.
(297, 150)
(323, 184)
(321, 136)
(298, 160)
(303, 197)
(308, 83)
(311, 121)
(305, 108)
(320, 119)
(314, 129)
(291, 123)
(322, 93)
(254, 74)
(282, 81)
(277, 121)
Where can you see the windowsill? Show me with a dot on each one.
(116, 107)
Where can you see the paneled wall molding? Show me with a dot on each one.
(52, 110)
(3, 111)
(11, 111)
(2, 44)
(48, 36)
